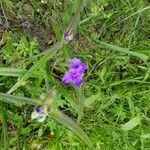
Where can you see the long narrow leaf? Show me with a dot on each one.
(14, 72)
(124, 50)
(18, 100)
(67, 122)
(74, 22)
(72, 28)
(11, 72)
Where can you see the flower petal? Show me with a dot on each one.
(78, 81)
(42, 117)
(35, 115)
(84, 66)
(75, 63)
(78, 65)
(38, 108)
(67, 77)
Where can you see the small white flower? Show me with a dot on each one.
(68, 36)
(40, 113)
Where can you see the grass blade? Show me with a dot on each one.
(146, 136)
(124, 50)
(55, 28)
(131, 124)
(80, 93)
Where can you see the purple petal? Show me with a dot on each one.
(73, 71)
(78, 81)
(67, 77)
(65, 35)
(38, 108)
(84, 67)
(78, 65)
(75, 63)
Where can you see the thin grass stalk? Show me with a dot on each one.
(80, 103)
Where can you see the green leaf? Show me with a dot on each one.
(72, 28)
(131, 124)
(56, 28)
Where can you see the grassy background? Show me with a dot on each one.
(117, 83)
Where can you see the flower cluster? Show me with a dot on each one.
(75, 73)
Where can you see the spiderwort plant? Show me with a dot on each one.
(46, 107)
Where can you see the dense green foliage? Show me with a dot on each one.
(112, 37)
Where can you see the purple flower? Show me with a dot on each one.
(75, 73)
(72, 76)
(76, 63)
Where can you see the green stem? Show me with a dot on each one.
(66, 54)
(72, 28)
(19, 123)
(80, 103)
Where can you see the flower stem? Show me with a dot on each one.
(80, 103)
